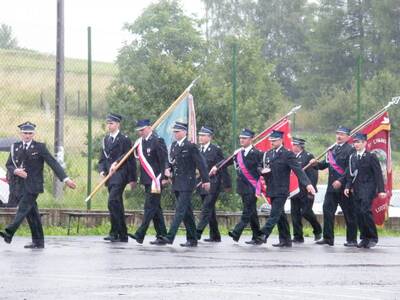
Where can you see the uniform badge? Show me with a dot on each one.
(148, 150)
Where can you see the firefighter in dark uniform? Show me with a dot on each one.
(301, 204)
(185, 158)
(152, 154)
(115, 146)
(275, 167)
(364, 180)
(246, 161)
(212, 153)
(26, 161)
(337, 160)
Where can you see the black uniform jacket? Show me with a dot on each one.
(184, 161)
(156, 153)
(252, 161)
(342, 154)
(213, 155)
(312, 172)
(364, 176)
(32, 160)
(114, 151)
(281, 162)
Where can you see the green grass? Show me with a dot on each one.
(27, 78)
(103, 229)
(33, 60)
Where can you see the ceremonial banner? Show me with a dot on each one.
(378, 133)
(263, 144)
(182, 112)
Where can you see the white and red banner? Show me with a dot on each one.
(378, 133)
(264, 144)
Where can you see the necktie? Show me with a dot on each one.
(202, 149)
(359, 156)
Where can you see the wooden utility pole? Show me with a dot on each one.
(60, 101)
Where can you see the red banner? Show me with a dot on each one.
(264, 145)
(378, 132)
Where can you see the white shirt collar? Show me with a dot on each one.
(28, 143)
(361, 152)
(247, 150)
(279, 148)
(298, 154)
(114, 135)
(181, 141)
(147, 137)
(205, 147)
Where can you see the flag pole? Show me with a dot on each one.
(393, 101)
(254, 140)
(156, 123)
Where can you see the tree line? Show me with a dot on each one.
(289, 52)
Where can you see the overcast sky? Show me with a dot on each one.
(34, 24)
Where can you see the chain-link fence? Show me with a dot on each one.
(27, 92)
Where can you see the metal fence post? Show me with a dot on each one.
(89, 166)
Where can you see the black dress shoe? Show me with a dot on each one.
(298, 241)
(263, 238)
(161, 241)
(7, 237)
(34, 246)
(210, 240)
(134, 236)
(325, 242)
(317, 237)
(111, 238)
(189, 244)
(370, 244)
(233, 236)
(362, 244)
(166, 240)
(123, 239)
(350, 244)
(158, 242)
(155, 242)
(254, 242)
(283, 244)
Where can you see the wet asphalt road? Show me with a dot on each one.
(88, 268)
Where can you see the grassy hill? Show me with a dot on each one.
(27, 92)
(27, 79)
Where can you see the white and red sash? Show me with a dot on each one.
(155, 184)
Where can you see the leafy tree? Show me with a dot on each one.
(7, 41)
(165, 56)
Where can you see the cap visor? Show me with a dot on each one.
(341, 131)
